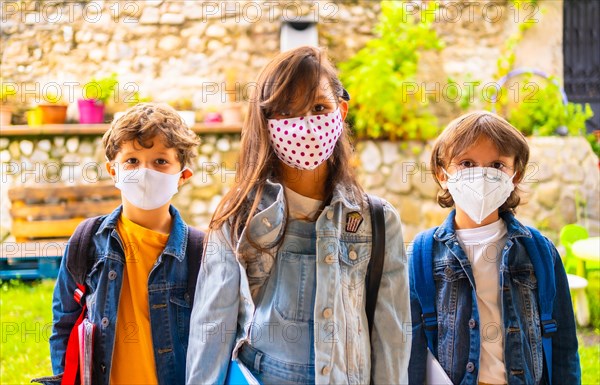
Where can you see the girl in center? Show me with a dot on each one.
(282, 284)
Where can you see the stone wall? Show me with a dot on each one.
(562, 180)
(189, 49)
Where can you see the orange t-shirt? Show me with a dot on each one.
(133, 355)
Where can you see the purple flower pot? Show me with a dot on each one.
(90, 111)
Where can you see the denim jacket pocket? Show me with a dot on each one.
(354, 259)
(183, 311)
(526, 283)
(294, 292)
(448, 271)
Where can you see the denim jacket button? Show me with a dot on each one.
(470, 367)
(326, 370)
(327, 313)
(472, 323)
(112, 275)
(329, 259)
(352, 255)
(330, 215)
(104, 322)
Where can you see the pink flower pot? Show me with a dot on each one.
(213, 117)
(90, 111)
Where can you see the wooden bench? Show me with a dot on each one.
(43, 218)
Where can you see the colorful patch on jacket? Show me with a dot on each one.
(353, 221)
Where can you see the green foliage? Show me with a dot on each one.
(537, 110)
(381, 77)
(26, 313)
(101, 89)
(590, 366)
(593, 292)
(464, 95)
(540, 111)
(594, 142)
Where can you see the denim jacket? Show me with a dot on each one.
(459, 334)
(224, 306)
(169, 302)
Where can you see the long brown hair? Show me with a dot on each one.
(291, 76)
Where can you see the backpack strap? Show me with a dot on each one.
(194, 258)
(78, 261)
(421, 268)
(541, 258)
(375, 268)
(79, 257)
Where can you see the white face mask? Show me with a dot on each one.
(307, 141)
(145, 188)
(479, 191)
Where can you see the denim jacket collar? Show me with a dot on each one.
(514, 228)
(266, 226)
(343, 194)
(177, 242)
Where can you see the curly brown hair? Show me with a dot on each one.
(145, 121)
(463, 132)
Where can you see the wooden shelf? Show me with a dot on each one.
(98, 129)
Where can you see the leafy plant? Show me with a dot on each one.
(101, 89)
(386, 99)
(594, 142)
(542, 111)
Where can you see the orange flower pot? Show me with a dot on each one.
(53, 113)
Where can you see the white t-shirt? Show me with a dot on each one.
(483, 246)
(300, 206)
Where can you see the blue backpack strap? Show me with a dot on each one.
(422, 270)
(541, 258)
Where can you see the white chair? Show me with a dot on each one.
(577, 286)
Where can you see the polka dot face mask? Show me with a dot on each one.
(306, 141)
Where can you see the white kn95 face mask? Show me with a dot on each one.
(478, 191)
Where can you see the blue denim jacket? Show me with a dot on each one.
(170, 305)
(459, 334)
(224, 304)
